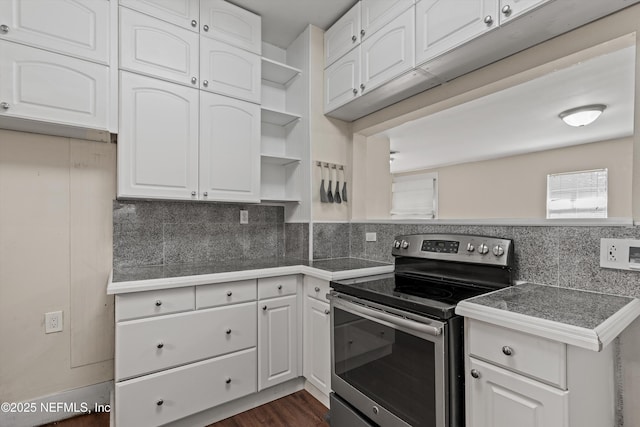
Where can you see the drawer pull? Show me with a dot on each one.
(264, 308)
(475, 373)
(229, 293)
(228, 331)
(317, 289)
(508, 351)
(279, 287)
(160, 345)
(228, 380)
(327, 311)
(160, 402)
(158, 303)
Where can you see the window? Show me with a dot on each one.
(414, 196)
(577, 194)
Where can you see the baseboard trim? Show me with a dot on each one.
(315, 392)
(60, 406)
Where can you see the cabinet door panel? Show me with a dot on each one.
(178, 12)
(277, 341)
(152, 47)
(499, 398)
(442, 25)
(317, 345)
(343, 36)
(377, 13)
(342, 81)
(54, 88)
(230, 71)
(231, 24)
(80, 28)
(389, 52)
(517, 8)
(229, 149)
(158, 140)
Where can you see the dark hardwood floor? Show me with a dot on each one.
(299, 409)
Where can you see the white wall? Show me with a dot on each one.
(55, 254)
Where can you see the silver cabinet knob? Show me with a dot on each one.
(506, 10)
(475, 373)
(483, 249)
(264, 308)
(229, 293)
(194, 80)
(227, 380)
(508, 351)
(488, 20)
(327, 311)
(228, 331)
(5, 105)
(354, 38)
(362, 86)
(205, 194)
(193, 193)
(355, 91)
(194, 23)
(362, 33)
(160, 345)
(206, 28)
(160, 402)
(317, 289)
(279, 287)
(158, 303)
(498, 251)
(205, 83)
(4, 29)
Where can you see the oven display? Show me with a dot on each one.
(443, 246)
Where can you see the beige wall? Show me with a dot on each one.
(330, 138)
(371, 178)
(55, 254)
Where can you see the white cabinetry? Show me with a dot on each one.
(342, 81)
(316, 349)
(183, 13)
(226, 22)
(343, 36)
(510, 9)
(377, 13)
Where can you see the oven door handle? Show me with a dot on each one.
(390, 318)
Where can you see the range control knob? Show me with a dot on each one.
(405, 244)
(498, 251)
(470, 247)
(396, 244)
(483, 249)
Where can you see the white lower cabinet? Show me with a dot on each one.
(317, 344)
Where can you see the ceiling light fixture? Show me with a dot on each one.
(582, 116)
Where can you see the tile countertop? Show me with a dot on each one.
(146, 278)
(582, 318)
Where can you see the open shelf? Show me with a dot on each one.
(276, 117)
(279, 160)
(277, 72)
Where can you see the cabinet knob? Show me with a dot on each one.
(327, 311)
(362, 33)
(194, 80)
(279, 287)
(317, 289)
(264, 308)
(475, 373)
(508, 351)
(205, 83)
(227, 380)
(193, 193)
(355, 91)
(194, 23)
(158, 303)
(488, 20)
(362, 86)
(228, 331)
(354, 38)
(160, 345)
(5, 105)
(205, 194)
(160, 402)
(506, 10)
(206, 28)
(229, 293)
(4, 29)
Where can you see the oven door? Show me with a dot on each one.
(388, 364)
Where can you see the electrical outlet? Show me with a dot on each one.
(244, 216)
(620, 254)
(53, 322)
(612, 252)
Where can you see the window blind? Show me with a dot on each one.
(580, 194)
(414, 196)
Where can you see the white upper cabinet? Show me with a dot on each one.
(158, 139)
(39, 85)
(229, 70)
(184, 13)
(153, 47)
(231, 24)
(343, 36)
(377, 13)
(388, 53)
(78, 28)
(229, 149)
(442, 25)
(510, 9)
(342, 80)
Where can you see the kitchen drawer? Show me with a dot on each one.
(150, 345)
(316, 288)
(164, 397)
(277, 286)
(154, 303)
(532, 356)
(225, 293)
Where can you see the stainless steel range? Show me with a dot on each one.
(396, 343)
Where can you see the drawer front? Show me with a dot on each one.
(533, 356)
(277, 286)
(225, 293)
(150, 345)
(160, 398)
(154, 303)
(316, 288)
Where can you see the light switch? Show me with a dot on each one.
(372, 237)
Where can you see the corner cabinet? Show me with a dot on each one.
(316, 347)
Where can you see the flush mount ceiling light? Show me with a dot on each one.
(582, 116)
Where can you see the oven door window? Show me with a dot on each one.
(395, 369)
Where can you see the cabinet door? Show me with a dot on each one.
(40, 85)
(184, 13)
(74, 27)
(442, 25)
(499, 398)
(153, 47)
(277, 341)
(377, 13)
(343, 36)
(388, 53)
(510, 9)
(229, 149)
(231, 24)
(158, 140)
(342, 81)
(229, 70)
(317, 346)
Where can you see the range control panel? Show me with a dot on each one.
(455, 247)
